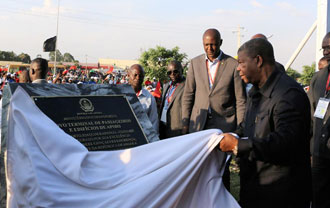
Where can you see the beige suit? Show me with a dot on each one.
(226, 99)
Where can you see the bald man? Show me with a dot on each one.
(148, 102)
(279, 66)
(214, 95)
(323, 63)
(259, 35)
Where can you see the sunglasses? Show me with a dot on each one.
(175, 71)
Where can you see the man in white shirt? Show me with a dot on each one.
(148, 102)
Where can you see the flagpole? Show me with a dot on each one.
(58, 15)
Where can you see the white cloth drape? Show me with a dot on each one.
(48, 168)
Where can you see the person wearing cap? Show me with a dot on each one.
(154, 82)
(171, 104)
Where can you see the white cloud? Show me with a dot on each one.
(286, 6)
(3, 18)
(48, 8)
(256, 4)
(231, 12)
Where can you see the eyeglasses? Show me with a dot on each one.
(175, 71)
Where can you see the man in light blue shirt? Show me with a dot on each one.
(148, 102)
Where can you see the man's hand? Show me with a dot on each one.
(228, 142)
(185, 129)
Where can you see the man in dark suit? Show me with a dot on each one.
(171, 109)
(274, 156)
(319, 95)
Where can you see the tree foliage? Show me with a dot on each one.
(155, 61)
(24, 57)
(66, 57)
(307, 74)
(59, 56)
(11, 56)
(293, 73)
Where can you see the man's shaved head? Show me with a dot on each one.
(136, 66)
(212, 42)
(326, 45)
(259, 35)
(212, 32)
(136, 76)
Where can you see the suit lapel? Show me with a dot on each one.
(322, 85)
(164, 94)
(322, 90)
(203, 73)
(220, 71)
(177, 91)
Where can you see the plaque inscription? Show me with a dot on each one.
(98, 122)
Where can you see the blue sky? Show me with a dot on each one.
(122, 29)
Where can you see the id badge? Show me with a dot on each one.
(163, 117)
(321, 108)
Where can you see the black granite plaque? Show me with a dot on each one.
(98, 122)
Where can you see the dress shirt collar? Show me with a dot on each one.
(216, 60)
(142, 93)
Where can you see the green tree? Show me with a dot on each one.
(307, 74)
(59, 56)
(293, 73)
(8, 56)
(25, 58)
(67, 57)
(155, 61)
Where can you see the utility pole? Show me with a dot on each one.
(239, 35)
(86, 71)
(58, 15)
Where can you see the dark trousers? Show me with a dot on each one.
(321, 182)
(211, 124)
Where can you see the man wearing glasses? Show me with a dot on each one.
(319, 97)
(171, 109)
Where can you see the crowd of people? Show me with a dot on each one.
(279, 134)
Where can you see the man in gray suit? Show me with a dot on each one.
(171, 111)
(38, 71)
(214, 94)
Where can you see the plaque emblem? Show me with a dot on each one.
(86, 105)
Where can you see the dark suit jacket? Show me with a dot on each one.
(173, 125)
(321, 127)
(274, 160)
(226, 99)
